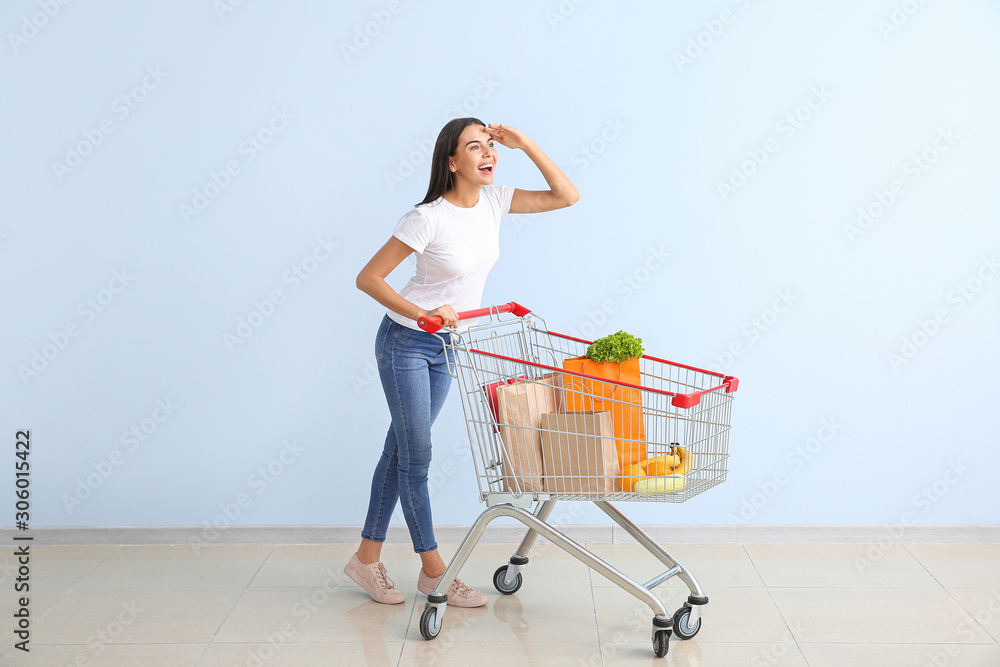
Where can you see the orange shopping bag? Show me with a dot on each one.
(624, 403)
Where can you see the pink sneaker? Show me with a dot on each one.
(373, 579)
(459, 595)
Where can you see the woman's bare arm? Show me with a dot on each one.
(562, 193)
(371, 281)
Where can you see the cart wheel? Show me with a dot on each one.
(430, 622)
(661, 642)
(498, 581)
(683, 627)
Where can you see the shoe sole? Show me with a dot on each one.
(361, 582)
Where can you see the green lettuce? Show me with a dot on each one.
(617, 347)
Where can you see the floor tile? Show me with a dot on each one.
(548, 566)
(711, 564)
(225, 565)
(901, 655)
(540, 614)
(310, 564)
(325, 614)
(838, 565)
(286, 654)
(697, 653)
(40, 601)
(58, 567)
(732, 615)
(984, 605)
(136, 615)
(883, 616)
(960, 565)
(816, 605)
(486, 653)
(120, 655)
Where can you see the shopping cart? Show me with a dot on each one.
(541, 433)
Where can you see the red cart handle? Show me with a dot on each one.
(433, 323)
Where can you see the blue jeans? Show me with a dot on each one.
(414, 374)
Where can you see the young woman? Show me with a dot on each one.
(455, 233)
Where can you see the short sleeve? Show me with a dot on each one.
(414, 230)
(506, 197)
(500, 198)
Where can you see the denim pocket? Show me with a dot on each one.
(380, 336)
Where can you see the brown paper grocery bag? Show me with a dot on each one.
(520, 406)
(578, 452)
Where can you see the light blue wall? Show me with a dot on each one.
(646, 136)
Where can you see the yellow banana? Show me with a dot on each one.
(633, 473)
(658, 466)
(660, 474)
(651, 485)
(686, 460)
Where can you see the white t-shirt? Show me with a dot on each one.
(456, 248)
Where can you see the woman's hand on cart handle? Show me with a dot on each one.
(432, 320)
(441, 316)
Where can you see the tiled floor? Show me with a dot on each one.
(264, 605)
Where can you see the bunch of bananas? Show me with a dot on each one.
(659, 474)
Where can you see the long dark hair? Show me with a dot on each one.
(442, 179)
